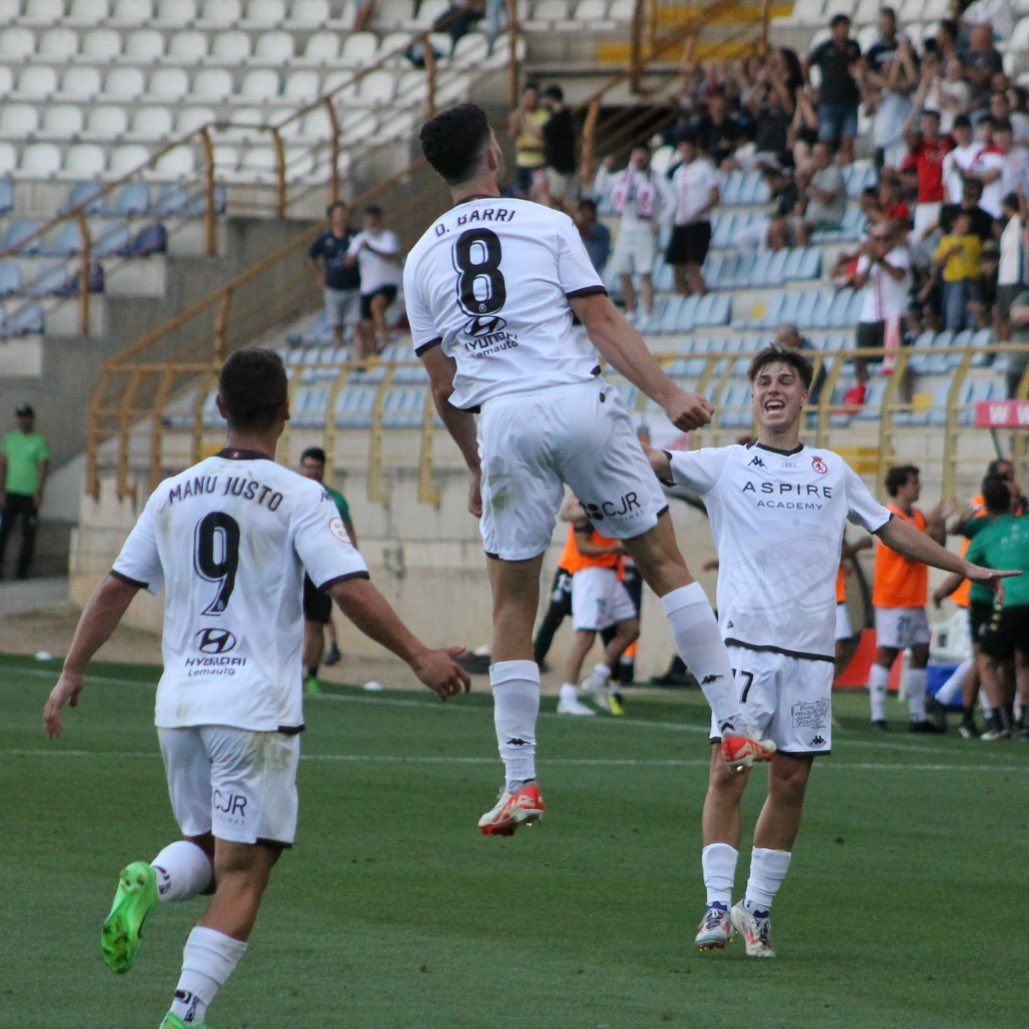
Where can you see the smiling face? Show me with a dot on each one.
(778, 397)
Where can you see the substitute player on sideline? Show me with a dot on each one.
(777, 510)
(491, 288)
(229, 539)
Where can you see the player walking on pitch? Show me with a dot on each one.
(229, 539)
(491, 288)
(777, 510)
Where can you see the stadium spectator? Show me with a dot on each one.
(945, 41)
(823, 191)
(899, 594)
(376, 252)
(769, 104)
(888, 205)
(595, 235)
(889, 78)
(982, 62)
(838, 93)
(718, 132)
(558, 148)
(995, 13)
(788, 337)
(317, 603)
(339, 281)
(697, 192)
(982, 221)
(922, 169)
(958, 161)
(24, 467)
(1018, 362)
(457, 20)
(804, 129)
(1012, 274)
(496, 21)
(942, 87)
(997, 167)
(640, 198)
(525, 127)
(957, 258)
(216, 552)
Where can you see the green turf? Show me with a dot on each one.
(900, 908)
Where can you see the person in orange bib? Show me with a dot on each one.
(899, 596)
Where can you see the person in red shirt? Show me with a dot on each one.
(923, 169)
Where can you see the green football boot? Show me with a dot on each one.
(135, 899)
(174, 1022)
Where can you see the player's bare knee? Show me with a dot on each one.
(788, 779)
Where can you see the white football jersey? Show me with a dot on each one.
(489, 281)
(229, 540)
(777, 519)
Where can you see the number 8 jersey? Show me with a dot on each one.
(229, 540)
(490, 281)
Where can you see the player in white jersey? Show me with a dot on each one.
(229, 540)
(491, 288)
(777, 510)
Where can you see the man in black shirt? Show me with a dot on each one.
(982, 221)
(718, 133)
(340, 283)
(838, 94)
(558, 145)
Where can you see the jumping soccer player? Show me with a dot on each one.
(777, 510)
(491, 289)
(229, 539)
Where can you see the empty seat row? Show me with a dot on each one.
(25, 320)
(810, 308)
(732, 270)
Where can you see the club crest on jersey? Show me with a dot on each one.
(484, 325)
(819, 465)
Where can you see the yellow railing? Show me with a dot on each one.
(870, 435)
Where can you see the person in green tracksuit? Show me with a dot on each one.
(24, 464)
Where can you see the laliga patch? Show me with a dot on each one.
(339, 530)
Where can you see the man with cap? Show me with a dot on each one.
(24, 463)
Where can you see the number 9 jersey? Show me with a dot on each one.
(229, 540)
(490, 281)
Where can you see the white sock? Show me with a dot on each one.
(700, 645)
(601, 671)
(569, 692)
(878, 677)
(915, 682)
(718, 860)
(768, 868)
(183, 870)
(516, 704)
(955, 684)
(208, 959)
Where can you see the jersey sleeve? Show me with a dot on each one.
(575, 271)
(390, 242)
(698, 470)
(862, 508)
(419, 315)
(139, 563)
(321, 541)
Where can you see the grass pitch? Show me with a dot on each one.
(901, 908)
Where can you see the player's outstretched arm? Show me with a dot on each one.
(904, 538)
(621, 345)
(100, 617)
(369, 610)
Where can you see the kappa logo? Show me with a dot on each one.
(484, 325)
(516, 742)
(756, 462)
(215, 641)
(819, 465)
(708, 679)
(817, 742)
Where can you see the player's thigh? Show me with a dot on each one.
(592, 599)
(802, 722)
(187, 768)
(756, 678)
(521, 488)
(253, 784)
(599, 456)
(844, 631)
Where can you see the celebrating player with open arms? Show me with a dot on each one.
(777, 510)
(491, 288)
(230, 540)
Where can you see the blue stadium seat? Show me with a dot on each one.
(114, 242)
(6, 196)
(308, 407)
(64, 241)
(50, 280)
(25, 321)
(10, 278)
(354, 406)
(18, 231)
(404, 407)
(87, 193)
(132, 199)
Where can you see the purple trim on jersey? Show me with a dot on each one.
(769, 647)
(478, 196)
(422, 347)
(884, 524)
(121, 577)
(326, 586)
(236, 454)
(292, 730)
(587, 291)
(775, 450)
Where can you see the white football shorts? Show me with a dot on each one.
(235, 783)
(635, 251)
(843, 629)
(786, 699)
(599, 599)
(901, 627)
(531, 444)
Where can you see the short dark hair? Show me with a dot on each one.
(928, 112)
(1002, 125)
(994, 467)
(587, 202)
(950, 26)
(253, 388)
(338, 204)
(839, 19)
(776, 354)
(962, 121)
(313, 454)
(554, 93)
(888, 12)
(996, 494)
(454, 140)
(898, 476)
(373, 209)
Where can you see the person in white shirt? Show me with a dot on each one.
(993, 164)
(1012, 273)
(491, 288)
(883, 275)
(697, 191)
(641, 199)
(777, 510)
(376, 252)
(229, 540)
(957, 162)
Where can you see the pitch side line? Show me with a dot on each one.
(438, 759)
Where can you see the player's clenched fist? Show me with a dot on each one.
(688, 411)
(441, 673)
